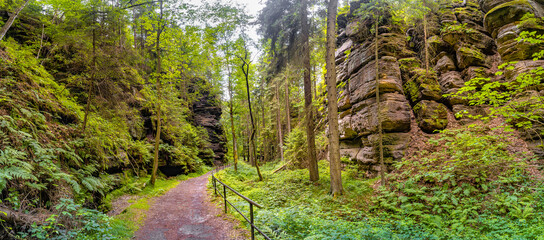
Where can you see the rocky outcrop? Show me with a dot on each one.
(464, 42)
(207, 114)
(356, 78)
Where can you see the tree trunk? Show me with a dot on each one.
(245, 70)
(231, 112)
(308, 108)
(334, 136)
(425, 40)
(11, 19)
(287, 110)
(41, 42)
(278, 120)
(378, 108)
(159, 70)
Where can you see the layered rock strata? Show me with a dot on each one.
(464, 42)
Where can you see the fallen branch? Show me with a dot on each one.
(281, 167)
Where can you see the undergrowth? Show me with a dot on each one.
(471, 183)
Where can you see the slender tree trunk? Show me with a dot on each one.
(334, 136)
(425, 40)
(378, 109)
(263, 112)
(245, 70)
(41, 42)
(278, 120)
(287, 110)
(11, 19)
(231, 112)
(308, 108)
(314, 80)
(159, 96)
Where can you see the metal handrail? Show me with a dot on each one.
(251, 204)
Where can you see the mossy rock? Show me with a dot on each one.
(407, 66)
(510, 48)
(467, 56)
(431, 116)
(506, 13)
(422, 86)
(487, 5)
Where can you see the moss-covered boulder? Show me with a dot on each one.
(422, 86)
(431, 116)
(505, 14)
(487, 5)
(467, 56)
(510, 48)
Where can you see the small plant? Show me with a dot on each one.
(72, 222)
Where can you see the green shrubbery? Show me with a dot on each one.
(472, 183)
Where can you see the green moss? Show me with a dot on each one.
(472, 52)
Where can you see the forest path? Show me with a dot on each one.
(186, 212)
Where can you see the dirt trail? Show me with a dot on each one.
(186, 212)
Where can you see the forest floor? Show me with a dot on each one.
(187, 212)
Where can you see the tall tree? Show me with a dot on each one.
(160, 28)
(245, 69)
(334, 136)
(377, 18)
(278, 120)
(287, 105)
(308, 108)
(231, 112)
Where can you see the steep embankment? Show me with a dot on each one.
(464, 42)
(72, 133)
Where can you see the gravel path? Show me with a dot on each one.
(186, 212)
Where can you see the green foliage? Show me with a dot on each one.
(514, 99)
(73, 222)
(469, 179)
(295, 147)
(471, 183)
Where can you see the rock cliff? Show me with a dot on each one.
(464, 42)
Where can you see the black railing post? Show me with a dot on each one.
(214, 185)
(252, 224)
(225, 197)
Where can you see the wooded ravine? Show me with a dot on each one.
(358, 119)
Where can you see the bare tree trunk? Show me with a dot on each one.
(41, 42)
(334, 136)
(245, 70)
(378, 109)
(308, 108)
(287, 110)
(11, 19)
(159, 96)
(425, 40)
(278, 119)
(231, 112)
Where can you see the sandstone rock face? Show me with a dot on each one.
(207, 114)
(431, 116)
(465, 42)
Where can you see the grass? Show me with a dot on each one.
(294, 208)
(289, 200)
(133, 217)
